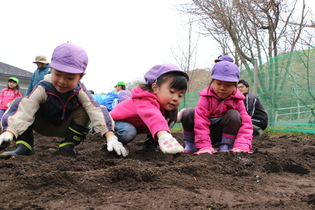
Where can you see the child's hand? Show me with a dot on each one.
(209, 150)
(169, 145)
(114, 144)
(6, 136)
(180, 115)
(238, 150)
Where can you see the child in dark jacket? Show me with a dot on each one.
(60, 106)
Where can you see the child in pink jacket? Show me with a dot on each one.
(8, 94)
(152, 107)
(220, 118)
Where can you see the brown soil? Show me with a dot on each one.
(280, 174)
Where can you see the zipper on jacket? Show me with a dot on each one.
(64, 105)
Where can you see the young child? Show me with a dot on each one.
(38, 75)
(152, 107)
(220, 118)
(112, 99)
(122, 92)
(8, 94)
(224, 58)
(61, 106)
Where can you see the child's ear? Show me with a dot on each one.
(82, 75)
(154, 86)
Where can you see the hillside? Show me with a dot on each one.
(199, 79)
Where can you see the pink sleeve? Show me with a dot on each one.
(18, 94)
(202, 124)
(1, 95)
(245, 134)
(150, 113)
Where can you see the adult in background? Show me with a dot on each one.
(38, 75)
(254, 108)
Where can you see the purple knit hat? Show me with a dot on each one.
(158, 70)
(225, 71)
(224, 58)
(69, 58)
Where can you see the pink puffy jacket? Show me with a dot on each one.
(209, 106)
(8, 95)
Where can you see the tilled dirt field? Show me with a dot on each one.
(280, 174)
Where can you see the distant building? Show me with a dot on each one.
(7, 71)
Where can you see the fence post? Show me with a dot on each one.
(276, 119)
(299, 109)
(255, 77)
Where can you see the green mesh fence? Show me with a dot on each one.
(285, 86)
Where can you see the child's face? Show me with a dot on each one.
(169, 98)
(223, 89)
(12, 84)
(118, 88)
(64, 82)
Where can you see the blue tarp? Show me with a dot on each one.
(99, 98)
(109, 99)
(106, 100)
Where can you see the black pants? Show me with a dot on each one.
(230, 123)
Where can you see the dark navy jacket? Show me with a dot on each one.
(256, 110)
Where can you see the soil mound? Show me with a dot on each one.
(280, 174)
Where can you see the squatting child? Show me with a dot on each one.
(220, 118)
(60, 106)
(152, 107)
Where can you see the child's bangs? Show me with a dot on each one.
(179, 82)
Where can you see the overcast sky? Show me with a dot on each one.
(123, 39)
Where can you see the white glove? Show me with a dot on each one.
(113, 143)
(6, 137)
(9, 104)
(180, 115)
(169, 145)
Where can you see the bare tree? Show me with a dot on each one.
(185, 54)
(256, 30)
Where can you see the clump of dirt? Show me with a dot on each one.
(278, 175)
